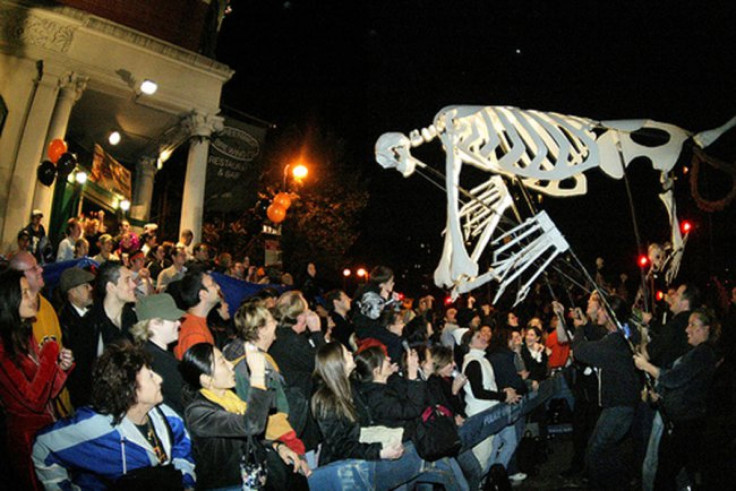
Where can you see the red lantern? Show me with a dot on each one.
(57, 148)
(276, 213)
(283, 200)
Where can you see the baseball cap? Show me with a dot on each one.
(160, 306)
(72, 277)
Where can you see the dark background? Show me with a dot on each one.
(360, 69)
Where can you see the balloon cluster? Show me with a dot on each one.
(60, 161)
(276, 212)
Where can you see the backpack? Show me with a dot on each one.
(497, 479)
(531, 451)
(436, 434)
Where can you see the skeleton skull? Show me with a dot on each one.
(392, 151)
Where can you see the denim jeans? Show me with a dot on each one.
(504, 446)
(489, 422)
(480, 426)
(410, 469)
(602, 458)
(649, 468)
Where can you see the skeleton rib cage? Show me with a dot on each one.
(548, 153)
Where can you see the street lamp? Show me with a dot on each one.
(299, 172)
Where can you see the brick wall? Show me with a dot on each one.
(177, 21)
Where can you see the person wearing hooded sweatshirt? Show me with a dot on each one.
(619, 394)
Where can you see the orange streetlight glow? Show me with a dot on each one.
(361, 272)
(300, 172)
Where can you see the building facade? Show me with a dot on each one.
(73, 70)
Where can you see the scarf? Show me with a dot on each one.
(277, 426)
(230, 401)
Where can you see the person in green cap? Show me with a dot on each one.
(157, 328)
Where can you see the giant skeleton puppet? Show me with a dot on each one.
(542, 150)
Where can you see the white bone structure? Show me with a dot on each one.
(549, 153)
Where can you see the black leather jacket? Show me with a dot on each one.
(397, 403)
(218, 437)
(342, 436)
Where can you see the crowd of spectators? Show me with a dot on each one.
(140, 364)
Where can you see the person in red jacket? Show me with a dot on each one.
(30, 375)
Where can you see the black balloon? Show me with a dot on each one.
(66, 163)
(46, 173)
(261, 207)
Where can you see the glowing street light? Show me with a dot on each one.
(149, 87)
(114, 138)
(346, 272)
(362, 273)
(81, 177)
(298, 172)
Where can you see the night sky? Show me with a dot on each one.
(360, 69)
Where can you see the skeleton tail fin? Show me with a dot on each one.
(705, 138)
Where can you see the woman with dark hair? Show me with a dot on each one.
(388, 331)
(683, 392)
(418, 332)
(342, 413)
(534, 354)
(392, 401)
(486, 388)
(221, 423)
(444, 384)
(127, 433)
(31, 376)
(255, 325)
(373, 298)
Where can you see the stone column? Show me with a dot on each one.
(30, 154)
(145, 171)
(71, 87)
(200, 127)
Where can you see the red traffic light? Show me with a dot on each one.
(686, 227)
(643, 261)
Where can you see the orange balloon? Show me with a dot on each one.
(57, 147)
(283, 200)
(276, 213)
